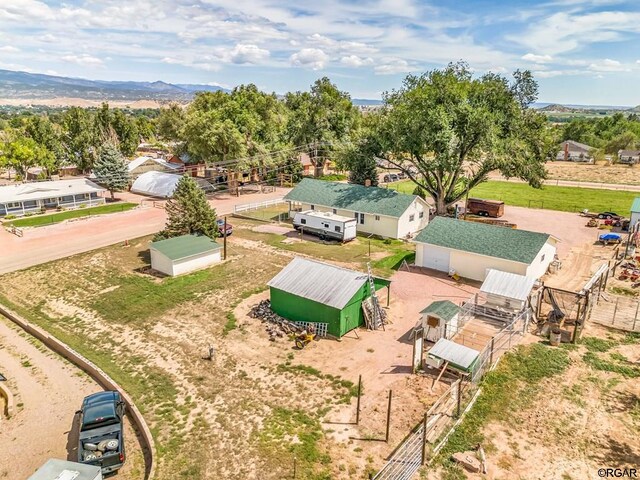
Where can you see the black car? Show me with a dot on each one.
(101, 436)
(609, 216)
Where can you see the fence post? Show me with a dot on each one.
(358, 402)
(635, 319)
(386, 438)
(459, 398)
(615, 310)
(424, 438)
(491, 353)
(295, 462)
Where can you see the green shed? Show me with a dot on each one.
(311, 291)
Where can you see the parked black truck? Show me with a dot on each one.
(101, 436)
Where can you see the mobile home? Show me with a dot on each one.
(325, 225)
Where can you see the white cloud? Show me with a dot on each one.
(393, 66)
(9, 49)
(243, 54)
(84, 60)
(356, 61)
(313, 58)
(608, 65)
(532, 57)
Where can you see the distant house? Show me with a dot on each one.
(629, 157)
(37, 196)
(378, 211)
(571, 151)
(184, 254)
(309, 169)
(145, 164)
(471, 249)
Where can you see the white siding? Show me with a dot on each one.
(408, 227)
(163, 264)
(475, 267)
(545, 256)
(430, 256)
(635, 217)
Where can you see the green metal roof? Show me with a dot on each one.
(444, 309)
(185, 246)
(635, 206)
(346, 196)
(490, 240)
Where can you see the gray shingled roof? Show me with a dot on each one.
(318, 281)
(490, 240)
(346, 196)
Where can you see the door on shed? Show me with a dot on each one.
(436, 258)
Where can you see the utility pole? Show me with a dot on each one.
(224, 236)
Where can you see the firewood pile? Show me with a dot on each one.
(275, 325)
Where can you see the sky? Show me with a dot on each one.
(581, 52)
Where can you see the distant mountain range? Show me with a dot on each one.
(568, 108)
(33, 86)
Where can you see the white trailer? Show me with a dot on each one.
(325, 225)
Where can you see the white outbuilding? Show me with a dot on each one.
(508, 291)
(156, 184)
(184, 254)
(439, 320)
(471, 249)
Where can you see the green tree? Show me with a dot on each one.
(24, 153)
(447, 130)
(110, 168)
(78, 137)
(47, 134)
(170, 122)
(188, 212)
(126, 130)
(320, 119)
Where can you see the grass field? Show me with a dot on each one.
(566, 199)
(42, 220)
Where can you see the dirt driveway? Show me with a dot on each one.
(48, 390)
(44, 244)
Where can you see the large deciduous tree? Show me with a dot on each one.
(320, 119)
(110, 168)
(447, 130)
(79, 137)
(24, 153)
(188, 212)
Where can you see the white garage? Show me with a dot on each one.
(471, 249)
(184, 254)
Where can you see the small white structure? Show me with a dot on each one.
(141, 165)
(184, 254)
(508, 291)
(22, 198)
(378, 211)
(55, 469)
(439, 320)
(156, 184)
(326, 225)
(471, 249)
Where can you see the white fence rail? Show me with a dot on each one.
(248, 207)
(319, 328)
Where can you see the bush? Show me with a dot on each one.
(82, 205)
(9, 217)
(29, 214)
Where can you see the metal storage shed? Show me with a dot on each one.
(457, 356)
(55, 469)
(156, 184)
(184, 254)
(507, 290)
(311, 291)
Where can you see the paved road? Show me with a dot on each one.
(44, 244)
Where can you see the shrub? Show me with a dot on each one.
(9, 217)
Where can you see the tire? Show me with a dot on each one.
(299, 344)
(600, 216)
(609, 217)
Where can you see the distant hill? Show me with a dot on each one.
(556, 107)
(23, 85)
(19, 86)
(635, 109)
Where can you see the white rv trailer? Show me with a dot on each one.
(325, 225)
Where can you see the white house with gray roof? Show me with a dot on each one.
(23, 198)
(378, 211)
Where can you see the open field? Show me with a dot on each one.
(49, 219)
(550, 412)
(258, 404)
(623, 174)
(566, 199)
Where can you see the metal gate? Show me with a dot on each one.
(406, 460)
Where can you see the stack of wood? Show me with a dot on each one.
(275, 325)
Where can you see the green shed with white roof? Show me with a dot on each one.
(635, 212)
(378, 211)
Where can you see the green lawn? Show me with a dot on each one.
(41, 220)
(566, 199)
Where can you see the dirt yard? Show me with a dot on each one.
(47, 390)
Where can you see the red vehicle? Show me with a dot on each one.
(221, 230)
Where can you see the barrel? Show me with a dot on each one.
(555, 337)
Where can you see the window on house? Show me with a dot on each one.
(377, 217)
(542, 258)
(13, 205)
(303, 221)
(337, 228)
(335, 211)
(421, 215)
(412, 218)
(360, 218)
(313, 207)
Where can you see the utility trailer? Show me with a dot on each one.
(485, 208)
(325, 225)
